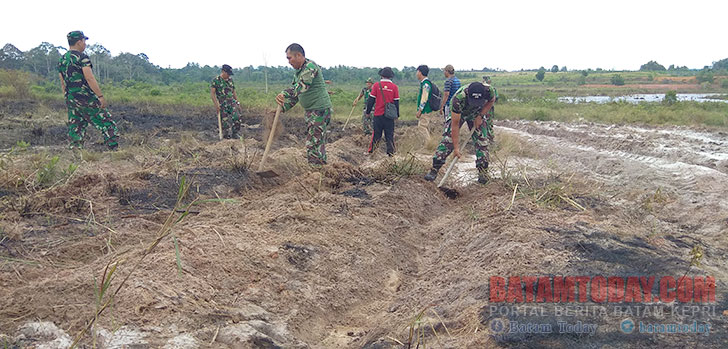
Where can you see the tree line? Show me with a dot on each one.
(43, 59)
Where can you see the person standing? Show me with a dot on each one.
(222, 91)
(308, 87)
(452, 84)
(423, 98)
(366, 120)
(84, 99)
(384, 91)
(469, 104)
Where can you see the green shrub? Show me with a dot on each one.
(617, 80)
(670, 97)
(155, 92)
(724, 84)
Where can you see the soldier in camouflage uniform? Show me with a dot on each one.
(366, 120)
(308, 87)
(222, 91)
(469, 104)
(84, 99)
(491, 113)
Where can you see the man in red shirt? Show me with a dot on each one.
(384, 91)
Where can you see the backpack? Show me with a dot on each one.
(435, 99)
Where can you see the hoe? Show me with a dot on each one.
(269, 173)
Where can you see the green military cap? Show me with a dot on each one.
(77, 35)
(369, 80)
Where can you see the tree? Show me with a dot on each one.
(617, 80)
(11, 57)
(541, 74)
(555, 69)
(42, 60)
(652, 66)
(721, 64)
(584, 73)
(563, 69)
(670, 97)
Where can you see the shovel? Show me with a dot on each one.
(269, 173)
(347, 119)
(451, 192)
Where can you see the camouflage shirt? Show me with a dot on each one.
(71, 67)
(224, 89)
(365, 91)
(460, 103)
(308, 86)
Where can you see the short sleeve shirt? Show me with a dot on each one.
(391, 93)
(223, 88)
(70, 66)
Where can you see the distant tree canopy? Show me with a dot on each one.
(541, 74)
(652, 66)
(555, 69)
(721, 64)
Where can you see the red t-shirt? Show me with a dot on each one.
(391, 93)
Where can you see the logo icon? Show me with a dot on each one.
(497, 326)
(627, 326)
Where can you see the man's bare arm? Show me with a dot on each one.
(63, 82)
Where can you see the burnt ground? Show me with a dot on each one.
(347, 257)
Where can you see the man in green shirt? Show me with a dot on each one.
(308, 87)
(424, 111)
(366, 120)
(84, 99)
(469, 105)
(222, 91)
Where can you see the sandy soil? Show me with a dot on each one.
(348, 256)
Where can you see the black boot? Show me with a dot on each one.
(483, 174)
(430, 176)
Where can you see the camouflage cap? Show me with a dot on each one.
(370, 81)
(77, 35)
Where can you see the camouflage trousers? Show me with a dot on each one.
(316, 123)
(480, 140)
(79, 116)
(367, 122)
(230, 118)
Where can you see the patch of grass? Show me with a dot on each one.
(90, 155)
(395, 168)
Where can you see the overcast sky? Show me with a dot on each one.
(510, 35)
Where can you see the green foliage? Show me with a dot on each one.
(581, 80)
(16, 83)
(724, 83)
(705, 75)
(555, 69)
(670, 97)
(540, 115)
(617, 80)
(652, 66)
(563, 69)
(541, 74)
(48, 174)
(721, 64)
(584, 73)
